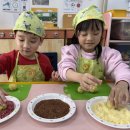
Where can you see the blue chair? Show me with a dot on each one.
(53, 58)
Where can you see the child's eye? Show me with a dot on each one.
(33, 41)
(21, 40)
(96, 33)
(85, 34)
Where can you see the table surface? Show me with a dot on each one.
(80, 121)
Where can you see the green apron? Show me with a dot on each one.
(91, 66)
(27, 73)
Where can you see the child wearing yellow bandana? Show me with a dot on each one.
(85, 61)
(26, 64)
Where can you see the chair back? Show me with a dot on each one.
(108, 21)
(53, 59)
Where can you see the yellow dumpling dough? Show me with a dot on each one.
(12, 87)
(112, 115)
(2, 107)
(92, 90)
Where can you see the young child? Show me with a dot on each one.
(26, 64)
(85, 61)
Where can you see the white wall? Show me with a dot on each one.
(117, 4)
(7, 20)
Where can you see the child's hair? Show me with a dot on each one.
(84, 26)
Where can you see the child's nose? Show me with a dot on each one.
(89, 37)
(26, 45)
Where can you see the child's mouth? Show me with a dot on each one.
(26, 51)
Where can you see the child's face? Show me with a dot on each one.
(27, 43)
(89, 39)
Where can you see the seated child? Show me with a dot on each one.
(26, 64)
(85, 61)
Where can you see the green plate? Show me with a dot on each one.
(71, 90)
(21, 92)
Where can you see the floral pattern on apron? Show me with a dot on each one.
(91, 66)
(27, 73)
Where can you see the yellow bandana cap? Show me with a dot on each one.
(29, 22)
(91, 12)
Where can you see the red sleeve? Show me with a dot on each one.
(7, 62)
(45, 66)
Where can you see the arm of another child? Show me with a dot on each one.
(2, 96)
(120, 73)
(119, 95)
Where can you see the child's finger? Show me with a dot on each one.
(90, 82)
(2, 96)
(94, 79)
(123, 99)
(85, 87)
(2, 99)
(111, 97)
(53, 75)
(5, 93)
(57, 75)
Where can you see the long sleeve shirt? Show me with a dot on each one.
(7, 63)
(111, 59)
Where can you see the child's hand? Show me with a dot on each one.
(2, 96)
(88, 81)
(55, 76)
(119, 95)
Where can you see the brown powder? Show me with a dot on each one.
(51, 109)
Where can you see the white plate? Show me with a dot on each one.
(16, 109)
(47, 96)
(89, 105)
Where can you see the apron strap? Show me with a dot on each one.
(38, 62)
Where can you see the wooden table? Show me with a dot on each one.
(80, 121)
